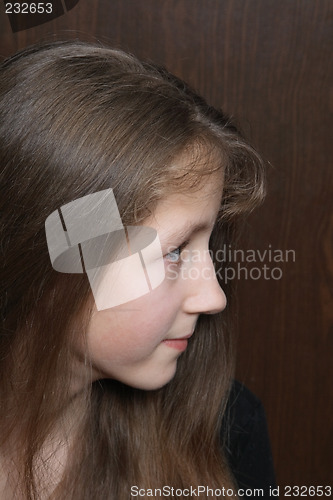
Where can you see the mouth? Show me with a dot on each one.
(180, 344)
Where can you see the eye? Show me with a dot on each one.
(175, 255)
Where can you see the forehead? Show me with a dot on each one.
(197, 207)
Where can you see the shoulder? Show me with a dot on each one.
(246, 440)
(243, 405)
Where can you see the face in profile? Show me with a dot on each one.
(139, 342)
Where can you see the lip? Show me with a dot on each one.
(178, 343)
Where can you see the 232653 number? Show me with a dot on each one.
(307, 491)
(28, 8)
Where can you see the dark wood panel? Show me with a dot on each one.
(270, 64)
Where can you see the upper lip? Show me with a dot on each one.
(181, 338)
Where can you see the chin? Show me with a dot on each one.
(152, 382)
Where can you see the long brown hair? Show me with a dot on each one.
(77, 118)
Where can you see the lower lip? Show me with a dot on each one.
(179, 344)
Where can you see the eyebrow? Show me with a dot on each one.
(187, 230)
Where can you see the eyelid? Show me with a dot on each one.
(180, 248)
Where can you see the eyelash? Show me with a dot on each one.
(178, 249)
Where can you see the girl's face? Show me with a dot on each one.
(138, 343)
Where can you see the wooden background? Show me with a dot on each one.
(270, 64)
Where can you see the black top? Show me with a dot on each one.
(247, 444)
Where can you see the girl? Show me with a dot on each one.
(99, 402)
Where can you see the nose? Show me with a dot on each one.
(204, 294)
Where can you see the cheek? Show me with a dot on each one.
(135, 328)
